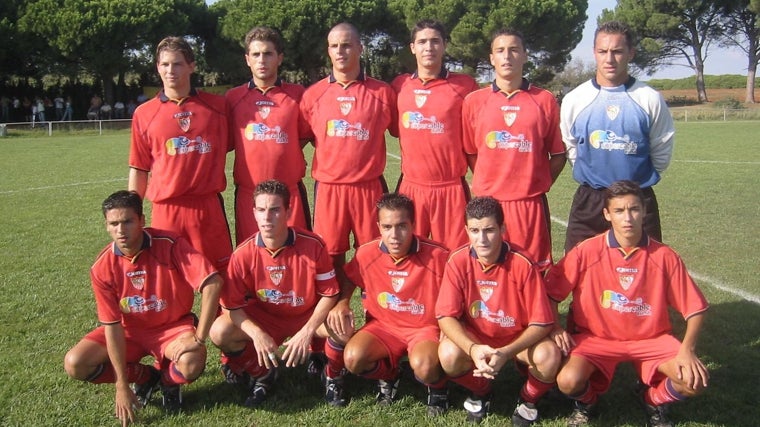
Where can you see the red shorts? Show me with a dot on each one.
(146, 342)
(245, 223)
(202, 221)
(340, 209)
(528, 226)
(399, 342)
(279, 327)
(439, 210)
(493, 342)
(646, 355)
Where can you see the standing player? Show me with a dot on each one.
(281, 286)
(180, 140)
(433, 163)
(399, 274)
(511, 135)
(615, 127)
(492, 308)
(266, 128)
(348, 113)
(623, 282)
(143, 284)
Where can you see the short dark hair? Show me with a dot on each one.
(509, 32)
(616, 27)
(622, 188)
(274, 188)
(176, 44)
(265, 34)
(396, 202)
(123, 199)
(431, 24)
(484, 207)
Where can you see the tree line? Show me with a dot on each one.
(108, 44)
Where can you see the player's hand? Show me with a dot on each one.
(125, 404)
(691, 371)
(297, 348)
(266, 350)
(564, 340)
(184, 344)
(481, 356)
(340, 319)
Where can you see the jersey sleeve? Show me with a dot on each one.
(451, 295)
(353, 272)
(140, 155)
(554, 144)
(468, 130)
(560, 280)
(195, 268)
(661, 134)
(536, 302)
(234, 291)
(327, 284)
(106, 297)
(683, 294)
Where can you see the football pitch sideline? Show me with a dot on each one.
(52, 228)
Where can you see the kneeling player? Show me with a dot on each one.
(399, 274)
(623, 282)
(143, 284)
(493, 308)
(281, 286)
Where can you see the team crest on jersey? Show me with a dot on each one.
(419, 100)
(346, 104)
(486, 292)
(626, 280)
(276, 277)
(183, 119)
(264, 107)
(264, 112)
(137, 279)
(397, 283)
(509, 117)
(613, 111)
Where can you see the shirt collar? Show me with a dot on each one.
(413, 249)
(289, 241)
(443, 74)
(524, 86)
(147, 241)
(614, 244)
(631, 80)
(162, 96)
(252, 85)
(360, 78)
(500, 260)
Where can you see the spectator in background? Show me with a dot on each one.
(59, 107)
(118, 110)
(131, 106)
(68, 111)
(105, 111)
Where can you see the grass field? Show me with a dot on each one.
(51, 229)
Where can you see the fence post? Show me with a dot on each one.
(724, 114)
(50, 128)
(100, 127)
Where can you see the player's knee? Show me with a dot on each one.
(355, 359)
(74, 366)
(570, 382)
(453, 360)
(686, 390)
(221, 331)
(427, 369)
(546, 360)
(191, 365)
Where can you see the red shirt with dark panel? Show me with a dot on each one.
(151, 289)
(348, 122)
(513, 136)
(399, 292)
(287, 282)
(621, 295)
(430, 126)
(498, 301)
(266, 128)
(183, 144)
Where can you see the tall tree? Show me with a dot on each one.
(741, 30)
(671, 29)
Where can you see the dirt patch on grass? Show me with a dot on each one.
(687, 98)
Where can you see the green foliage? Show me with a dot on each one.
(729, 103)
(723, 81)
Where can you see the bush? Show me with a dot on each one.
(729, 103)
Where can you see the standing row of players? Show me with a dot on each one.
(509, 135)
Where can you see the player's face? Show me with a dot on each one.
(396, 231)
(271, 216)
(428, 47)
(612, 55)
(626, 214)
(126, 229)
(344, 49)
(508, 56)
(174, 70)
(264, 61)
(485, 237)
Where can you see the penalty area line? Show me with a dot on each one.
(702, 278)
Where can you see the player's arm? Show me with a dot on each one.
(530, 336)
(556, 164)
(559, 335)
(297, 347)
(472, 159)
(137, 181)
(262, 341)
(125, 401)
(210, 290)
(691, 370)
(340, 318)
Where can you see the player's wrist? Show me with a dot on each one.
(199, 341)
(469, 351)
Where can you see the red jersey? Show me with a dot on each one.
(153, 288)
(266, 128)
(621, 296)
(182, 144)
(399, 293)
(513, 136)
(287, 282)
(348, 123)
(430, 126)
(500, 300)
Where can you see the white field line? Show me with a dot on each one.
(702, 278)
(51, 187)
(719, 162)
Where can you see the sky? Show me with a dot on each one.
(719, 60)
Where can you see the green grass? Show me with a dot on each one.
(51, 229)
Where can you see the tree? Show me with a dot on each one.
(741, 30)
(671, 29)
(107, 37)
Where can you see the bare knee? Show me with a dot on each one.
(77, 365)
(427, 368)
(225, 335)
(570, 382)
(545, 360)
(453, 360)
(192, 364)
(355, 359)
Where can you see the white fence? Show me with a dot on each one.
(714, 114)
(54, 127)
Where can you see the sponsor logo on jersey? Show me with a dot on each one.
(183, 119)
(185, 145)
(273, 296)
(416, 120)
(479, 309)
(391, 302)
(138, 304)
(504, 140)
(610, 141)
(262, 132)
(618, 302)
(613, 111)
(344, 129)
(346, 104)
